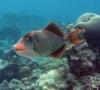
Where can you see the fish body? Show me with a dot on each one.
(47, 42)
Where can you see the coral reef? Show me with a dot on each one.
(91, 23)
(77, 70)
(49, 81)
(17, 85)
(88, 21)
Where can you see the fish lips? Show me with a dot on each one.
(20, 46)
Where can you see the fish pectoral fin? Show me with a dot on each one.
(52, 27)
(59, 52)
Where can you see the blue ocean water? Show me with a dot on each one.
(63, 10)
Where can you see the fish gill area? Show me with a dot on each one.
(78, 69)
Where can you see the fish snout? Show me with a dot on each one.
(20, 46)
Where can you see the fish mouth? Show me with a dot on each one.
(22, 52)
(18, 49)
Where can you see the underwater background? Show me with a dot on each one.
(18, 17)
(65, 10)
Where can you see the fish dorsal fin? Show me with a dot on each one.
(52, 27)
(59, 52)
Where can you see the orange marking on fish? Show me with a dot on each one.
(73, 36)
(20, 47)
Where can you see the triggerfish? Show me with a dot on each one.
(50, 41)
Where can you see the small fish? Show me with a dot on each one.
(47, 42)
(76, 36)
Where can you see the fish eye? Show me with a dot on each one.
(28, 38)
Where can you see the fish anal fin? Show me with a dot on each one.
(52, 27)
(59, 52)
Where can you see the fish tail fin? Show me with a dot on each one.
(75, 37)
